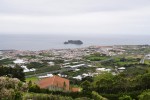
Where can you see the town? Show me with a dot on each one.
(45, 62)
(65, 69)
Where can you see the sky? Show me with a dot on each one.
(79, 17)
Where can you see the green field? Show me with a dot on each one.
(33, 79)
(147, 62)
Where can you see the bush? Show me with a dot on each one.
(145, 95)
(96, 96)
(11, 88)
(83, 98)
(34, 88)
(36, 96)
(125, 97)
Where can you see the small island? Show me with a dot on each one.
(77, 42)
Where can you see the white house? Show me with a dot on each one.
(51, 63)
(19, 61)
(25, 69)
(103, 69)
(121, 69)
(79, 77)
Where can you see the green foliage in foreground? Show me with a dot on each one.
(145, 95)
(11, 88)
(125, 97)
(14, 89)
(35, 96)
(40, 96)
(120, 86)
(96, 96)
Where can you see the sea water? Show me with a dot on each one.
(52, 41)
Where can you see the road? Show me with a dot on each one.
(143, 60)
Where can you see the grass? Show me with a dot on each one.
(147, 62)
(33, 79)
(96, 58)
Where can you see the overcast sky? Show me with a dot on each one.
(75, 16)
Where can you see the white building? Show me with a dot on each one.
(51, 63)
(121, 69)
(79, 77)
(103, 69)
(19, 61)
(25, 69)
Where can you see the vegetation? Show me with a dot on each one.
(131, 84)
(80, 72)
(6, 61)
(145, 95)
(125, 97)
(33, 79)
(11, 88)
(36, 65)
(35, 96)
(27, 56)
(106, 85)
(119, 86)
(16, 72)
(96, 57)
(14, 89)
(96, 96)
(121, 61)
(44, 70)
(43, 67)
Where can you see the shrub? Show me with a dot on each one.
(38, 96)
(145, 95)
(125, 97)
(11, 88)
(96, 96)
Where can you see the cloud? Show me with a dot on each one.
(63, 7)
(75, 16)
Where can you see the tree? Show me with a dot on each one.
(86, 85)
(103, 82)
(11, 88)
(30, 83)
(16, 72)
(145, 80)
(34, 88)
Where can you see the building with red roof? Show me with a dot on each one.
(55, 83)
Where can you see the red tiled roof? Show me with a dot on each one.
(54, 81)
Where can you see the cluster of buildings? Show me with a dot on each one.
(72, 59)
(52, 54)
(67, 55)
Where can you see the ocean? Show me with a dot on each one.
(45, 42)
